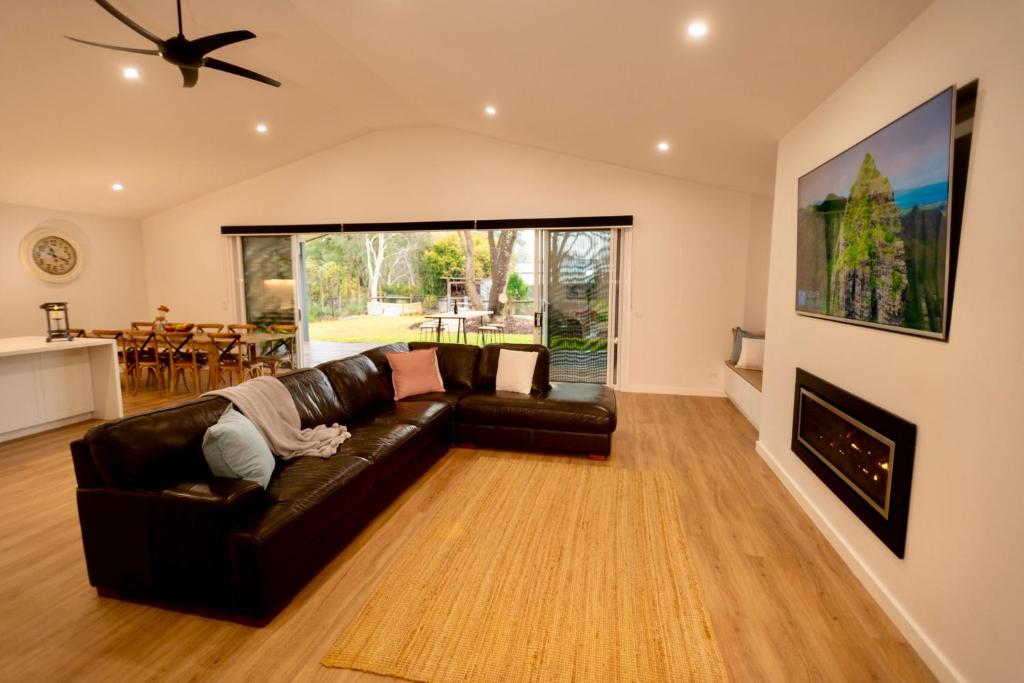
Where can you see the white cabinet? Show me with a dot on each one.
(47, 385)
(743, 387)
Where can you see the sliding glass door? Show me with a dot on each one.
(270, 268)
(576, 305)
(268, 274)
(349, 292)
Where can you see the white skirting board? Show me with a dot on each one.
(744, 396)
(933, 657)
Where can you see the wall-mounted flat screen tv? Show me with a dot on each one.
(873, 227)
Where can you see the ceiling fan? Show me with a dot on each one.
(187, 55)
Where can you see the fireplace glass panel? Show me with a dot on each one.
(857, 453)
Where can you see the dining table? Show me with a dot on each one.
(461, 321)
(268, 342)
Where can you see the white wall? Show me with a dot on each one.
(689, 246)
(957, 594)
(758, 255)
(109, 293)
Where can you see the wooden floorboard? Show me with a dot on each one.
(783, 604)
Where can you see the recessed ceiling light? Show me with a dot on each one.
(664, 146)
(261, 128)
(130, 73)
(697, 29)
(490, 110)
(117, 187)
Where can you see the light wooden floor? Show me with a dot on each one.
(784, 606)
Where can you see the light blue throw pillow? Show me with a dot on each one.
(234, 448)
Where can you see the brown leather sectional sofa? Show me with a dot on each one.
(156, 525)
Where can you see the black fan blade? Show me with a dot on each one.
(239, 71)
(115, 47)
(208, 44)
(189, 75)
(128, 22)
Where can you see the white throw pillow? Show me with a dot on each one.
(752, 354)
(515, 371)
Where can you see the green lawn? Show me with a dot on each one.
(385, 329)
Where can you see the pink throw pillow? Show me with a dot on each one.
(415, 372)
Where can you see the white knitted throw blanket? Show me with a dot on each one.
(269, 405)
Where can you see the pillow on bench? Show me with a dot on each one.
(738, 335)
(752, 354)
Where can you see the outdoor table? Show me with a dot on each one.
(461, 318)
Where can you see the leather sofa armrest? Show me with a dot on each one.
(172, 541)
(86, 473)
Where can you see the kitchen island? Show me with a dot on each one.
(48, 385)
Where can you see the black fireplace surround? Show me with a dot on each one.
(863, 453)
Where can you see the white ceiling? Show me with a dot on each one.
(600, 79)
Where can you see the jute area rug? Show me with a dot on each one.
(539, 571)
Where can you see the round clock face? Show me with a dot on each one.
(54, 255)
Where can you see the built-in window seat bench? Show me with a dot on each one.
(743, 387)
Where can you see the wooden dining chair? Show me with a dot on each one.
(242, 328)
(230, 358)
(140, 349)
(77, 332)
(281, 352)
(178, 351)
(122, 358)
(207, 328)
(142, 325)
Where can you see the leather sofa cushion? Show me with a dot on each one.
(359, 386)
(384, 444)
(306, 495)
(457, 363)
(451, 397)
(313, 396)
(489, 365)
(566, 407)
(419, 413)
(379, 357)
(157, 449)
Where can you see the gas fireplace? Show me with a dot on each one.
(862, 452)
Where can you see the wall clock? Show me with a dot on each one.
(52, 255)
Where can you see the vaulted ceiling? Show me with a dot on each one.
(599, 79)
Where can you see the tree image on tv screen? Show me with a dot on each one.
(869, 274)
(872, 228)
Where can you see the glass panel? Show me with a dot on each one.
(578, 265)
(368, 289)
(269, 283)
(858, 454)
